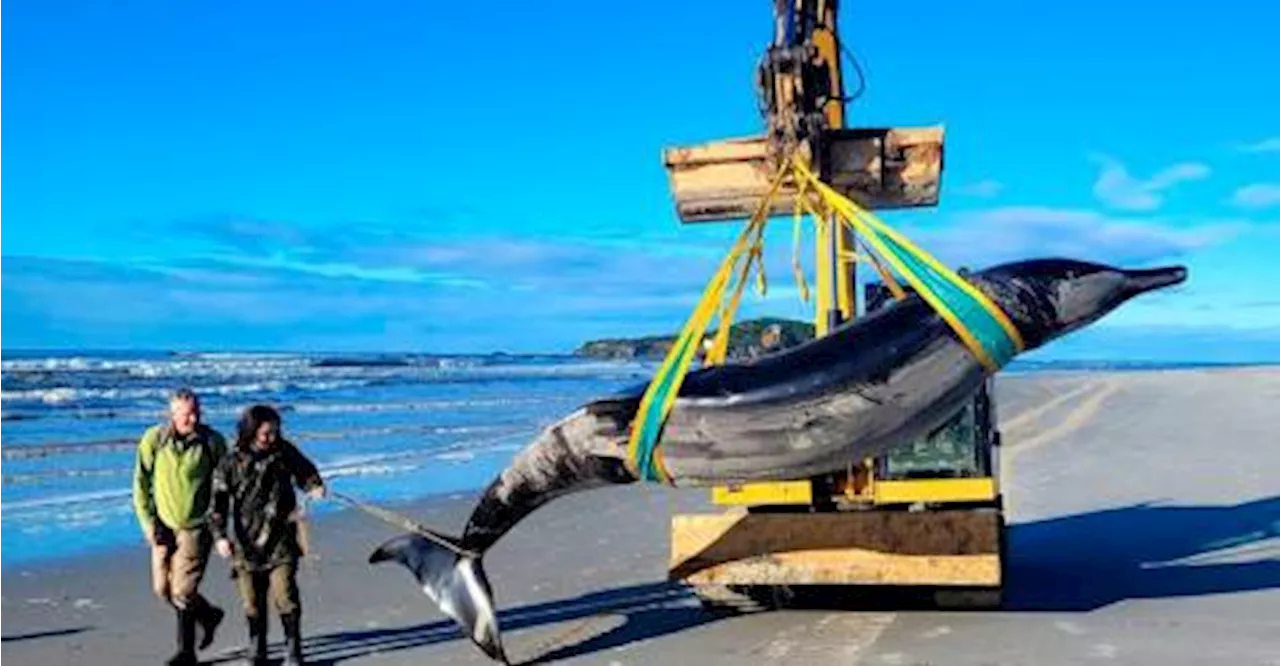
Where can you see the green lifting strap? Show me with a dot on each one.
(980, 324)
(997, 345)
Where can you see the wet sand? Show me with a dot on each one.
(1145, 529)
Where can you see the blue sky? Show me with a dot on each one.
(432, 176)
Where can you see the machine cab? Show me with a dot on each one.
(963, 448)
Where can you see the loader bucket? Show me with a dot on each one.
(878, 168)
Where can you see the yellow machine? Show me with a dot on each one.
(930, 512)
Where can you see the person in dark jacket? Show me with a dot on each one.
(253, 489)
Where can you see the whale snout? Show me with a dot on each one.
(1141, 281)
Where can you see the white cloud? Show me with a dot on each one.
(1270, 145)
(1258, 195)
(238, 305)
(1119, 189)
(1020, 232)
(983, 188)
(339, 286)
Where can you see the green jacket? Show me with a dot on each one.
(173, 478)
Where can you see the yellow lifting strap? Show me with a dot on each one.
(890, 281)
(800, 206)
(803, 202)
(720, 345)
(655, 405)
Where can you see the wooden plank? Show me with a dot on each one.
(736, 149)
(864, 548)
(879, 168)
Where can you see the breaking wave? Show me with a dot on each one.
(383, 425)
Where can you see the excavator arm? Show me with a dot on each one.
(801, 96)
(798, 78)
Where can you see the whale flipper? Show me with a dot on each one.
(456, 583)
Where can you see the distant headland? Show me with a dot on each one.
(747, 339)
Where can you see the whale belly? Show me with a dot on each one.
(809, 434)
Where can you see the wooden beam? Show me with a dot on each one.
(944, 548)
(878, 168)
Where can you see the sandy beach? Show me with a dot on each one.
(1145, 529)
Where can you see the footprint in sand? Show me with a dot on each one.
(936, 632)
(1069, 628)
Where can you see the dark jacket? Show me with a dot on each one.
(254, 489)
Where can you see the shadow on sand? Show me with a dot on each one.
(1086, 561)
(43, 634)
(634, 613)
(1073, 563)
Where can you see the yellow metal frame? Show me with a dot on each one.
(880, 492)
(825, 42)
(764, 493)
(980, 489)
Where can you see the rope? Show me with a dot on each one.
(400, 521)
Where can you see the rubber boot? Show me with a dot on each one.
(257, 652)
(186, 655)
(293, 638)
(208, 618)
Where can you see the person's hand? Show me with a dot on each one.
(158, 535)
(223, 547)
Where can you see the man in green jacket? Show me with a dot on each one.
(172, 489)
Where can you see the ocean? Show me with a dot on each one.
(385, 427)
(382, 427)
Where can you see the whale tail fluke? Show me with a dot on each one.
(455, 582)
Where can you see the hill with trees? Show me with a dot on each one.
(747, 339)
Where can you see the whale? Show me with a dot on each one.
(872, 383)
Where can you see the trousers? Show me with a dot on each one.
(278, 584)
(178, 562)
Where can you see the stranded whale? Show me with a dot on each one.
(882, 379)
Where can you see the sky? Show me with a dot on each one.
(443, 177)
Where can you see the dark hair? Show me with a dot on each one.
(251, 420)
